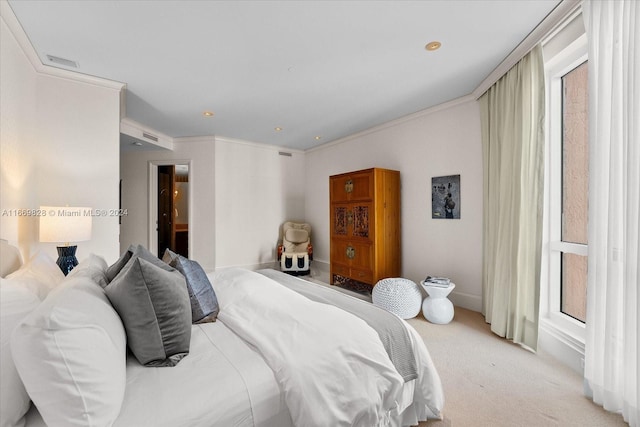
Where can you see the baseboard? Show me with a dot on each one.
(320, 266)
(468, 301)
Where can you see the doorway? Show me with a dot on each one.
(170, 212)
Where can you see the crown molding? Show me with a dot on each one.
(547, 26)
(12, 23)
(258, 145)
(206, 138)
(414, 116)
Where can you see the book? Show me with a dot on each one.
(443, 282)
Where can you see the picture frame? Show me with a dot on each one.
(445, 197)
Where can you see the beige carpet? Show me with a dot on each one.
(491, 382)
(488, 381)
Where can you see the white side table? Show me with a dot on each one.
(436, 307)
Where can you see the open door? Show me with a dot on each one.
(166, 223)
(173, 209)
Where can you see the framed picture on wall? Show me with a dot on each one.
(445, 197)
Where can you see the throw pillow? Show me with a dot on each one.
(204, 304)
(134, 251)
(94, 267)
(15, 303)
(71, 355)
(115, 268)
(40, 275)
(153, 304)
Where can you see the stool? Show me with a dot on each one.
(399, 296)
(436, 307)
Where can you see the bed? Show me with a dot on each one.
(280, 354)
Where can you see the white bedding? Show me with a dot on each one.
(225, 381)
(331, 366)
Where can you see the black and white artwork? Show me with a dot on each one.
(445, 197)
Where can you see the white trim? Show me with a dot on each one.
(468, 301)
(257, 144)
(188, 139)
(571, 248)
(561, 345)
(414, 116)
(549, 25)
(139, 131)
(10, 19)
(559, 335)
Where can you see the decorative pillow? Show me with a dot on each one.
(71, 355)
(204, 304)
(134, 251)
(94, 267)
(39, 275)
(115, 268)
(15, 303)
(153, 304)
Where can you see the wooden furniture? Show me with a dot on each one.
(365, 225)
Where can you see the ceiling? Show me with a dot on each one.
(319, 70)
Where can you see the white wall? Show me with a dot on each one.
(18, 82)
(134, 172)
(444, 140)
(256, 191)
(241, 193)
(59, 145)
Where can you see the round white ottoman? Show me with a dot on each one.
(399, 296)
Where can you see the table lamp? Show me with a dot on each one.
(65, 225)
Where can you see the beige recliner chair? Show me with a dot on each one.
(295, 252)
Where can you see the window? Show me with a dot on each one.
(575, 191)
(564, 283)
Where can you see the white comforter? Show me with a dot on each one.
(341, 378)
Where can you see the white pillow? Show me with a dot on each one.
(94, 267)
(71, 355)
(15, 303)
(39, 275)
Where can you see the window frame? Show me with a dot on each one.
(551, 315)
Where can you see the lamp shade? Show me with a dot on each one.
(65, 224)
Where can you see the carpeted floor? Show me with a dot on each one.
(488, 381)
(491, 382)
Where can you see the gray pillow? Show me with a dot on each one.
(153, 304)
(115, 268)
(133, 251)
(204, 303)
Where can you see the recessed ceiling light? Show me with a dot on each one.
(137, 144)
(207, 113)
(317, 138)
(434, 45)
(278, 129)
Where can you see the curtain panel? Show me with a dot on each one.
(512, 117)
(613, 326)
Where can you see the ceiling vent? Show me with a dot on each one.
(284, 153)
(149, 136)
(62, 61)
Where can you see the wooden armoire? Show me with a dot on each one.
(365, 225)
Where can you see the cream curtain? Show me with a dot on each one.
(512, 117)
(613, 325)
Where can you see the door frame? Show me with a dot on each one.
(152, 209)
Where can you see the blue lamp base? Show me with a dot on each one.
(67, 258)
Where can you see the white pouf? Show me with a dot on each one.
(399, 296)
